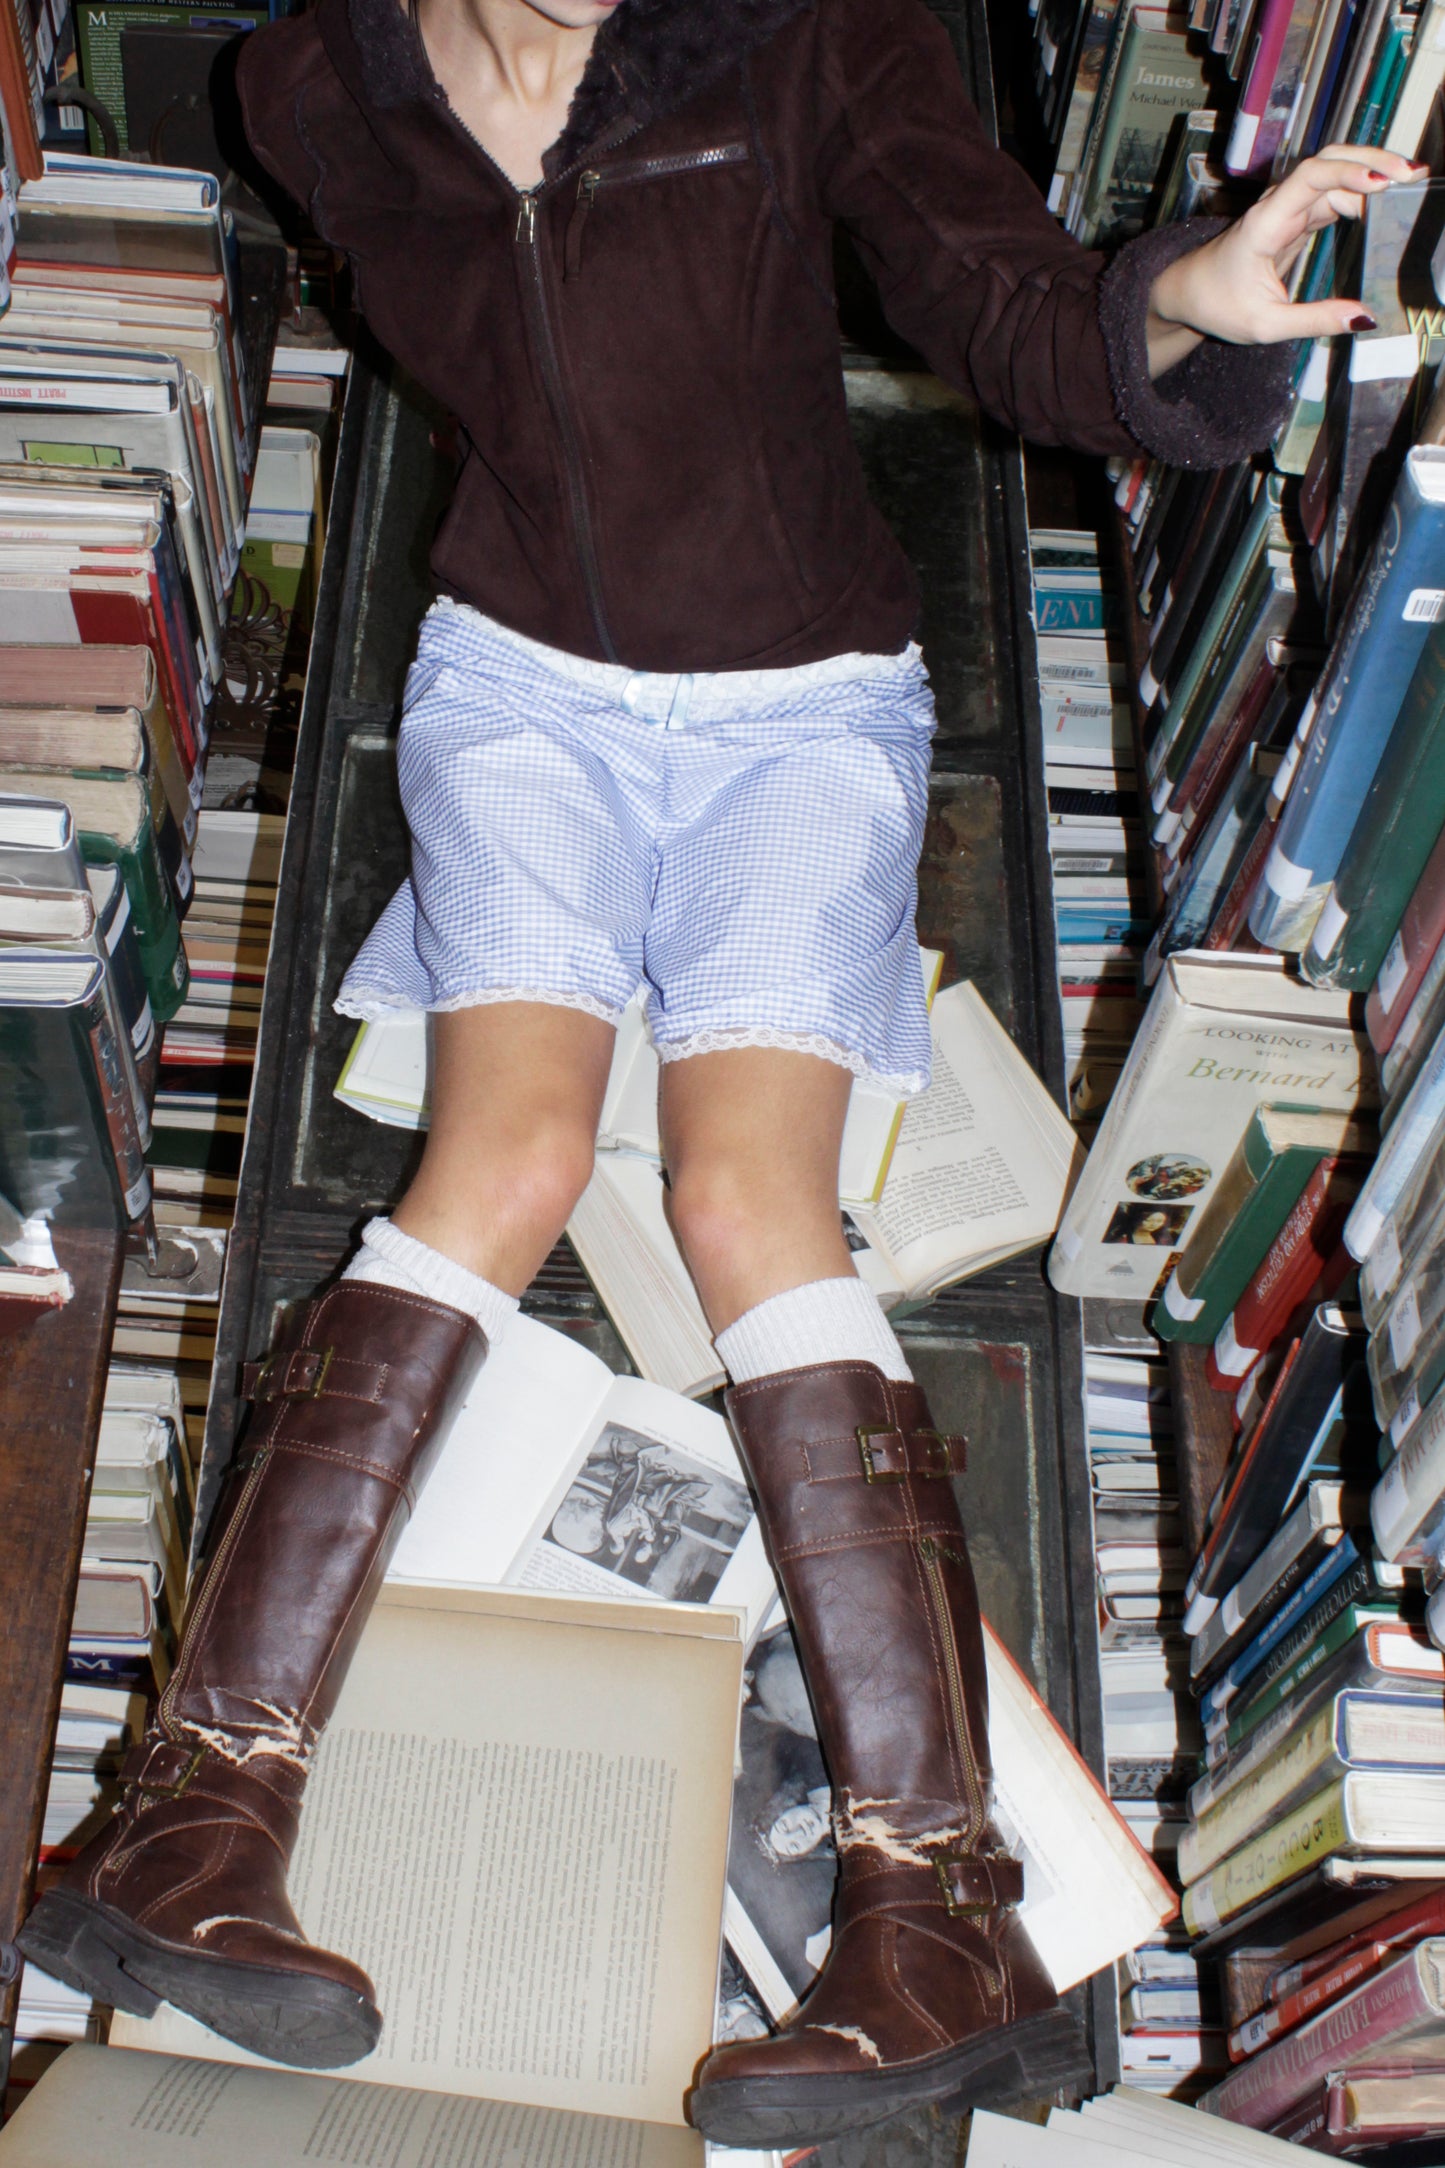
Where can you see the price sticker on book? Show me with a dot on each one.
(1404, 1416)
(1405, 1324)
(1393, 972)
(1381, 1268)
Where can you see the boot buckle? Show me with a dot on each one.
(872, 1473)
(999, 1874)
(182, 1784)
(273, 1379)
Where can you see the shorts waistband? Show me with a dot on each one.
(675, 698)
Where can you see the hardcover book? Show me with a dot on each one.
(1221, 1036)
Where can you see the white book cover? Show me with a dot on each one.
(1222, 1035)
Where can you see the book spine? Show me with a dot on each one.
(1409, 1135)
(1244, 153)
(1357, 701)
(1405, 1503)
(116, 1094)
(1292, 1267)
(1380, 2011)
(1289, 1847)
(1341, 1576)
(1302, 1758)
(1410, 956)
(1245, 1241)
(1398, 826)
(1283, 2017)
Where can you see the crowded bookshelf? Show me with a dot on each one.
(1164, 1235)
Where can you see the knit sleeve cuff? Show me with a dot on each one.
(1221, 402)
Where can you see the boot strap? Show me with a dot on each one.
(965, 1884)
(884, 1453)
(162, 1768)
(313, 1373)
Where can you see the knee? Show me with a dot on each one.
(543, 1176)
(714, 1209)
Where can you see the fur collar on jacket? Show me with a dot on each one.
(648, 57)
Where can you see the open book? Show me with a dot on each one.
(517, 1822)
(159, 2111)
(1090, 1890)
(983, 1162)
(385, 1076)
(556, 1474)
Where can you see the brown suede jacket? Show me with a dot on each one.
(643, 352)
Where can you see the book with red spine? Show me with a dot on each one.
(1194, 796)
(1304, 1265)
(1229, 927)
(1410, 955)
(1298, 1991)
(86, 609)
(1381, 2018)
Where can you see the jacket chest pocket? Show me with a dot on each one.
(629, 172)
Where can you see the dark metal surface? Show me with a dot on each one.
(1001, 1356)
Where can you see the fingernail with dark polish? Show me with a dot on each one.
(1362, 322)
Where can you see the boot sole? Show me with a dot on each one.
(1033, 2058)
(296, 2018)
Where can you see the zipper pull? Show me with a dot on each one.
(572, 249)
(527, 217)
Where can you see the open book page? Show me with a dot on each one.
(654, 1504)
(517, 1823)
(511, 1449)
(157, 2111)
(973, 1176)
(1090, 1893)
(629, 1253)
(558, 1474)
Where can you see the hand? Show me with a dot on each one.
(1233, 287)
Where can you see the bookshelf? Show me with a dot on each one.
(52, 1376)
(52, 1380)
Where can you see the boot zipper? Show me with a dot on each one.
(637, 169)
(933, 1553)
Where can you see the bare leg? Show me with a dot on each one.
(516, 1094)
(752, 1138)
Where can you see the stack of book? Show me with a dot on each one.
(1151, 1730)
(1095, 841)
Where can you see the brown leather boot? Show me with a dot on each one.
(182, 1899)
(932, 1989)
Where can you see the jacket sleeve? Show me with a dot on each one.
(976, 273)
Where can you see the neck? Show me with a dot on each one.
(532, 55)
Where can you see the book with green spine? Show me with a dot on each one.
(1398, 827)
(1279, 1151)
(113, 821)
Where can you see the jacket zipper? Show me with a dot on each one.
(582, 534)
(527, 200)
(636, 169)
(933, 1553)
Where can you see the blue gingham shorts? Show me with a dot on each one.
(743, 843)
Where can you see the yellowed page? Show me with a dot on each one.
(518, 1825)
(103, 2105)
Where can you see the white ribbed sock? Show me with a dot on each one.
(389, 1258)
(828, 1321)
